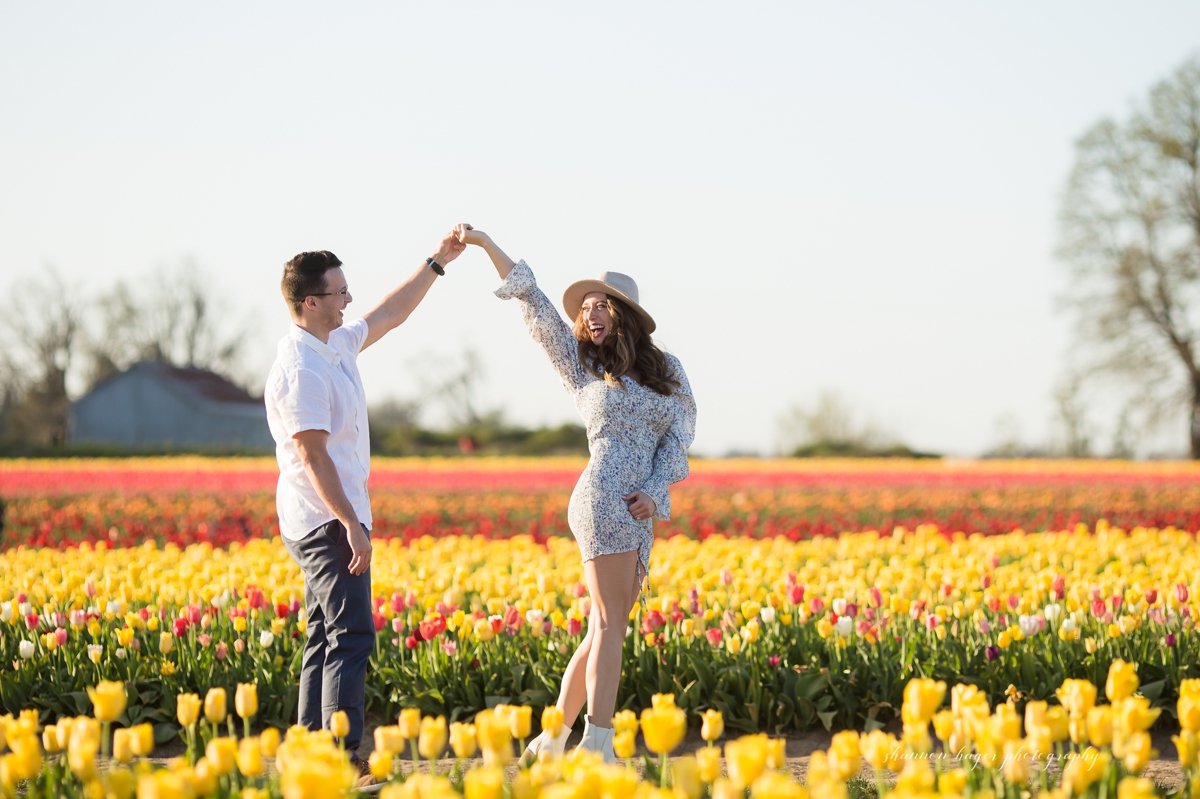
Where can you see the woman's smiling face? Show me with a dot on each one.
(597, 317)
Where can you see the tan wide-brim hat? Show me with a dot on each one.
(613, 284)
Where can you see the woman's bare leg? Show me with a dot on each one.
(612, 583)
(573, 693)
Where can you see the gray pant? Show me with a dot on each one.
(341, 630)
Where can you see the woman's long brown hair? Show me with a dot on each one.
(627, 348)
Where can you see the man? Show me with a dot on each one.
(317, 412)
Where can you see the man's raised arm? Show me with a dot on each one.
(395, 308)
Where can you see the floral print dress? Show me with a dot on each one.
(638, 438)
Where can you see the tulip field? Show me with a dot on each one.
(786, 595)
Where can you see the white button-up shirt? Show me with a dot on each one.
(316, 386)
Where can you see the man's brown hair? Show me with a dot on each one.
(304, 276)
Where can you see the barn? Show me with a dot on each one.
(156, 405)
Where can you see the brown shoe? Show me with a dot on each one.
(365, 778)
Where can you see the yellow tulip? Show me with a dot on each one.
(82, 760)
(1078, 730)
(624, 744)
(1016, 762)
(169, 784)
(1035, 714)
(1187, 745)
(663, 730)
(943, 724)
(921, 699)
(122, 746)
(1134, 714)
(734, 644)
(712, 725)
(389, 739)
(916, 737)
(410, 723)
(494, 734)
(141, 739)
(339, 724)
(25, 757)
(205, 777)
(845, 760)
(221, 754)
(1188, 708)
(245, 700)
(108, 700)
(215, 705)
(878, 748)
(432, 738)
(1136, 788)
(552, 721)
(520, 720)
(268, 742)
(725, 789)
(166, 643)
(1084, 769)
(49, 739)
(462, 739)
(708, 761)
(119, 783)
(381, 762)
(917, 778)
(1100, 725)
(745, 758)
(483, 783)
(1137, 752)
(316, 779)
(1122, 681)
(249, 758)
(1056, 720)
(1077, 696)
(685, 777)
(1190, 688)
(952, 782)
(626, 720)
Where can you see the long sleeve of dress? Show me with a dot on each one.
(671, 459)
(545, 325)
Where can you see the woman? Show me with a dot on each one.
(640, 417)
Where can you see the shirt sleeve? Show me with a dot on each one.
(671, 458)
(302, 400)
(545, 325)
(353, 335)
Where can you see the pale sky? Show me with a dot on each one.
(859, 197)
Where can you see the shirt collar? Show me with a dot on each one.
(315, 344)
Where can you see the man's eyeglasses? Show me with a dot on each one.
(341, 293)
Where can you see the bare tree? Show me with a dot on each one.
(46, 336)
(830, 421)
(1072, 417)
(455, 382)
(171, 319)
(1130, 224)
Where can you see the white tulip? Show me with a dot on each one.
(1052, 612)
(839, 606)
(1068, 625)
(120, 653)
(266, 638)
(845, 625)
(26, 649)
(6, 612)
(767, 614)
(25, 608)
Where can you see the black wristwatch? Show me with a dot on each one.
(435, 266)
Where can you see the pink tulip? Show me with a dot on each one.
(713, 635)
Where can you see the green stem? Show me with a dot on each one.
(662, 771)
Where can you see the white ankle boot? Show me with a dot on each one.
(544, 742)
(598, 739)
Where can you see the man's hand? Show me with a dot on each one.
(361, 546)
(640, 505)
(449, 248)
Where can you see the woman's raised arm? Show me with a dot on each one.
(469, 235)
